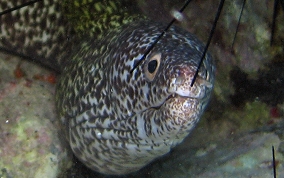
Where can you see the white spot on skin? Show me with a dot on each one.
(99, 135)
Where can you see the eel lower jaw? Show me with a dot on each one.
(175, 95)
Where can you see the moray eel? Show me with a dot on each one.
(116, 120)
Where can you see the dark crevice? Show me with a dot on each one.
(268, 87)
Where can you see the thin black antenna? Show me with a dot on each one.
(19, 7)
(159, 37)
(273, 162)
(209, 40)
(239, 21)
(273, 26)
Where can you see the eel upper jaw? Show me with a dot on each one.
(182, 88)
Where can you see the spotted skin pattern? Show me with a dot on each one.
(118, 121)
(35, 32)
(126, 120)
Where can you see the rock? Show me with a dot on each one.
(30, 143)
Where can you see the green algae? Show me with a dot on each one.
(95, 18)
(252, 115)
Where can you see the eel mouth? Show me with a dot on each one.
(181, 88)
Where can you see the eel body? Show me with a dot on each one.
(116, 120)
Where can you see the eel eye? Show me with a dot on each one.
(152, 66)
